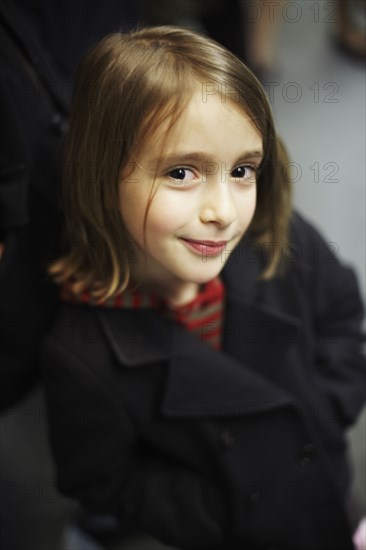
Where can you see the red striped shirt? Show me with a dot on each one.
(202, 316)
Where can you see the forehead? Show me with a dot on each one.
(214, 123)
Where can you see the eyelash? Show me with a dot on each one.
(246, 166)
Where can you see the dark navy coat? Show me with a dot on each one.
(242, 448)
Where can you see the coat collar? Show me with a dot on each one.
(200, 380)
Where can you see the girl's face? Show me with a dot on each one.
(205, 191)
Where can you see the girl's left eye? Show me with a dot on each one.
(246, 172)
(181, 174)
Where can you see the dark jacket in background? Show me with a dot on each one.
(221, 20)
(243, 448)
(41, 44)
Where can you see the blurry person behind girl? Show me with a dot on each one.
(207, 360)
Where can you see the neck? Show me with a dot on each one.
(175, 296)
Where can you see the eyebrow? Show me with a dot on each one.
(200, 156)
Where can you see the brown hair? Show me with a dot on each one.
(126, 86)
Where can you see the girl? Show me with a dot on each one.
(206, 361)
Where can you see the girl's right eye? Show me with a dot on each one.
(181, 174)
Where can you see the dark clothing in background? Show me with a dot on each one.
(68, 29)
(33, 119)
(219, 19)
(225, 24)
(41, 45)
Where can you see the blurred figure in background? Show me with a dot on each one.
(263, 24)
(221, 20)
(351, 27)
(41, 44)
(248, 28)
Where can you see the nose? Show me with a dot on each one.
(218, 204)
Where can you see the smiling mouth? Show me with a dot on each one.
(206, 243)
(205, 248)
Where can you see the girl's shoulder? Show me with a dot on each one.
(309, 249)
(75, 333)
(307, 241)
(328, 280)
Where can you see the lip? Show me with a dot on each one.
(208, 243)
(205, 248)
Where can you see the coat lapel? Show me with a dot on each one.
(201, 381)
(257, 334)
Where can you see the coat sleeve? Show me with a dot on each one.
(101, 464)
(337, 313)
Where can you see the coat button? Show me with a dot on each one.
(59, 123)
(309, 449)
(226, 440)
(304, 461)
(255, 497)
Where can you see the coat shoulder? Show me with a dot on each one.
(313, 256)
(73, 320)
(329, 281)
(77, 332)
(308, 241)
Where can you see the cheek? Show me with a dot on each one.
(253, 202)
(167, 213)
(161, 222)
(248, 207)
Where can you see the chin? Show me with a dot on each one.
(204, 278)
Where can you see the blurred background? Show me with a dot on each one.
(310, 58)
